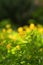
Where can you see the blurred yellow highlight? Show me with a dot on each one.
(32, 26)
(18, 47)
(3, 30)
(20, 29)
(8, 26)
(8, 46)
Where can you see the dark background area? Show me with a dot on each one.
(21, 11)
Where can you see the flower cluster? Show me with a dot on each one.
(24, 47)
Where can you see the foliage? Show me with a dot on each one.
(38, 15)
(24, 47)
(5, 22)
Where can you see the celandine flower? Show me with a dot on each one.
(32, 26)
(20, 29)
(18, 47)
(8, 46)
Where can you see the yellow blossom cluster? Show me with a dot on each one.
(11, 34)
(24, 29)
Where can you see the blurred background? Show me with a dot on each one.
(21, 12)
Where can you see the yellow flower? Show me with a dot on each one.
(20, 29)
(9, 30)
(8, 46)
(22, 34)
(18, 47)
(12, 37)
(3, 30)
(8, 26)
(28, 30)
(40, 30)
(32, 26)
